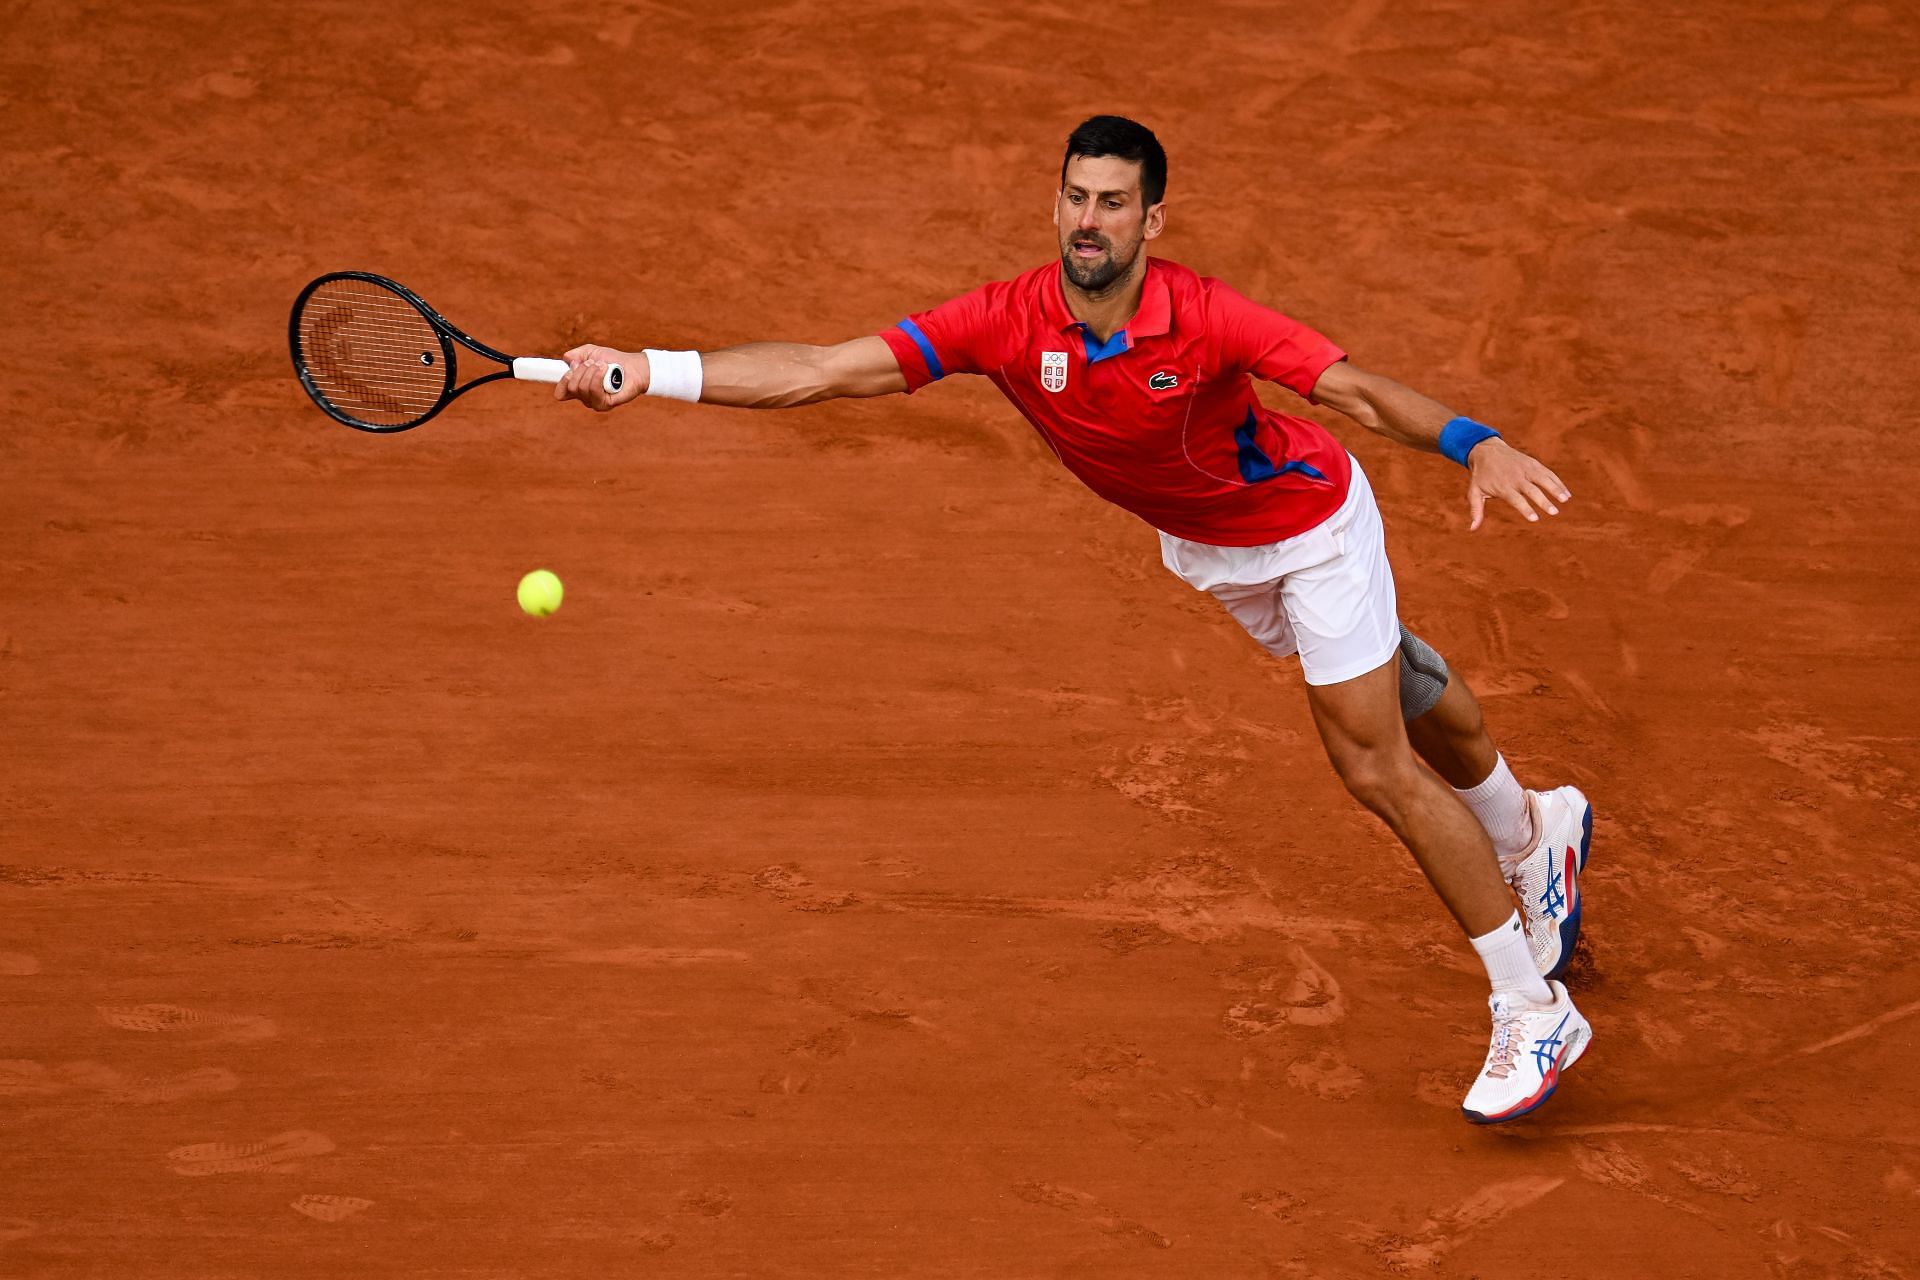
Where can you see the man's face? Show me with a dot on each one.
(1102, 220)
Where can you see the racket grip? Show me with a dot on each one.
(536, 369)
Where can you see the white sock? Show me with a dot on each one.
(1509, 962)
(1501, 806)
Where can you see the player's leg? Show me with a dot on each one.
(1537, 1031)
(1344, 620)
(1541, 838)
(1328, 596)
(1366, 741)
(1339, 615)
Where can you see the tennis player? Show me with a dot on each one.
(1138, 372)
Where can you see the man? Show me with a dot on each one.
(1137, 372)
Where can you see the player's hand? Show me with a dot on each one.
(588, 370)
(1501, 471)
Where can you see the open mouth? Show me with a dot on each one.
(1088, 249)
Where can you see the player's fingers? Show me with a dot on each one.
(593, 390)
(1476, 507)
(1519, 503)
(582, 352)
(1538, 496)
(575, 382)
(1549, 483)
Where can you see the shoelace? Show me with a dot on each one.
(1506, 1041)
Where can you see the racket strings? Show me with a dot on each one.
(371, 353)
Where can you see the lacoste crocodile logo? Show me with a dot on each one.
(1163, 381)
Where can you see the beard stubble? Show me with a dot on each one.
(1095, 277)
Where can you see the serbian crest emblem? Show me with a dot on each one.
(1053, 370)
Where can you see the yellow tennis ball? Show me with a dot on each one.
(540, 593)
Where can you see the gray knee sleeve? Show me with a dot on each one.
(1423, 675)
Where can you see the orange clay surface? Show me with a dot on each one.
(881, 866)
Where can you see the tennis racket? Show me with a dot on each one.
(375, 356)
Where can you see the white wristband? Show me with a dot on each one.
(674, 375)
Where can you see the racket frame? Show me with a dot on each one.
(449, 334)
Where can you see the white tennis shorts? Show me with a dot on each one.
(1326, 594)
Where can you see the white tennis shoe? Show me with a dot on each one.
(1548, 879)
(1532, 1045)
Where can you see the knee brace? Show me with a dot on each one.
(1423, 675)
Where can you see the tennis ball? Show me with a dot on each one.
(540, 593)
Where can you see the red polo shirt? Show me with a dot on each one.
(1161, 418)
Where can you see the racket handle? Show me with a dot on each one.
(536, 369)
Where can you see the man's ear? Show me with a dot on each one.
(1156, 220)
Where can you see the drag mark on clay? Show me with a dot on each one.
(651, 957)
(21, 1077)
(1717, 1131)
(786, 882)
(1814, 1248)
(1612, 463)
(1674, 566)
(1311, 997)
(1720, 1174)
(1204, 916)
(1610, 1165)
(1866, 1028)
(1155, 776)
(1091, 1211)
(1853, 771)
(1587, 693)
(278, 1154)
(1202, 897)
(1447, 1228)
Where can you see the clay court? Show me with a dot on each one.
(881, 866)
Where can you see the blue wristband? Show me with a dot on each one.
(1458, 437)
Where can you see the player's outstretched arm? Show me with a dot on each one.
(760, 375)
(1400, 413)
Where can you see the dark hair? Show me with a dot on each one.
(1123, 139)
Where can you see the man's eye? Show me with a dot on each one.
(1113, 204)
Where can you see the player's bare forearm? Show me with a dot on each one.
(757, 375)
(780, 375)
(1383, 406)
(1398, 412)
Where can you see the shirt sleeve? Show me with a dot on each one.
(951, 338)
(1270, 346)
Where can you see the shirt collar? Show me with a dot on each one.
(1153, 318)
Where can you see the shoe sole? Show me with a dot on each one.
(1574, 1053)
(1570, 927)
(1586, 833)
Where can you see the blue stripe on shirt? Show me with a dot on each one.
(927, 352)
